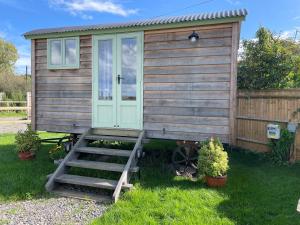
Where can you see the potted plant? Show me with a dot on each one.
(27, 143)
(213, 163)
(57, 154)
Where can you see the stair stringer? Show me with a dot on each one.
(124, 179)
(70, 156)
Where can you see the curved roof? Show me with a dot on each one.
(239, 13)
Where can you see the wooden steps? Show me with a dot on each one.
(61, 191)
(110, 138)
(104, 151)
(116, 132)
(115, 167)
(60, 180)
(89, 181)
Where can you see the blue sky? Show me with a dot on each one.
(19, 16)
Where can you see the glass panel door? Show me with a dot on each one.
(117, 81)
(104, 70)
(129, 70)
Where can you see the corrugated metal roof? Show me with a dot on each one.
(159, 21)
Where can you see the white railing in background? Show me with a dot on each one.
(15, 106)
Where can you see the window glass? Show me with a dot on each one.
(129, 69)
(105, 70)
(55, 52)
(70, 51)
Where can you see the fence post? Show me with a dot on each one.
(296, 146)
(28, 100)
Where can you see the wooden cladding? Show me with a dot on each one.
(187, 85)
(63, 96)
(256, 109)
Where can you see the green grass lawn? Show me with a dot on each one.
(257, 192)
(21, 180)
(13, 114)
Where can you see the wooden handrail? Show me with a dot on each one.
(124, 176)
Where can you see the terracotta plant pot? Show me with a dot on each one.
(216, 181)
(26, 155)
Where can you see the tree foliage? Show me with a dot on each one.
(269, 61)
(14, 86)
(8, 55)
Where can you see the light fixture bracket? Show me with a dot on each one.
(193, 37)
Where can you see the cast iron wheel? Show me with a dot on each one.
(184, 157)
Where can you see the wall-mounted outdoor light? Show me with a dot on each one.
(193, 37)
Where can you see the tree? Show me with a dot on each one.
(8, 55)
(13, 86)
(269, 62)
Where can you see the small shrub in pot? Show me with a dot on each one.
(213, 163)
(57, 153)
(27, 143)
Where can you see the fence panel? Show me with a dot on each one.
(256, 109)
(11, 106)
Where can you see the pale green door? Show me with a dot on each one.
(117, 81)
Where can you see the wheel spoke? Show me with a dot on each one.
(194, 165)
(181, 153)
(194, 158)
(180, 161)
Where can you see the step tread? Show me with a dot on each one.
(86, 181)
(116, 132)
(110, 138)
(96, 165)
(89, 181)
(115, 167)
(104, 151)
(82, 195)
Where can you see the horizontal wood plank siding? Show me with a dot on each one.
(64, 97)
(187, 85)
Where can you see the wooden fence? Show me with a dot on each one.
(256, 109)
(13, 106)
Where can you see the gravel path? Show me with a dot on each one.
(50, 211)
(12, 127)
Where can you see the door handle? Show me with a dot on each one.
(119, 78)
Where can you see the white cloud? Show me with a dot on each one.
(81, 7)
(290, 34)
(287, 34)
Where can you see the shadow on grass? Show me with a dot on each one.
(257, 191)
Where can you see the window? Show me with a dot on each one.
(63, 53)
